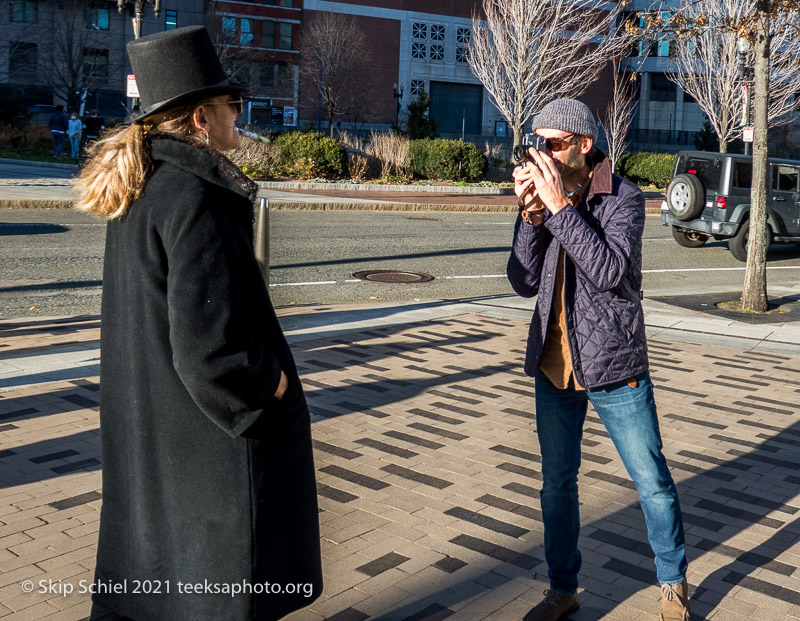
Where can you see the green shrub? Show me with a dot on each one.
(647, 168)
(436, 158)
(312, 153)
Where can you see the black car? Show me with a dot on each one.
(709, 197)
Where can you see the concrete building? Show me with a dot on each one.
(666, 117)
(72, 52)
(420, 44)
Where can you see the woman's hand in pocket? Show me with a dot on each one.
(282, 386)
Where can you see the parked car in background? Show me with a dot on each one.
(41, 113)
(709, 198)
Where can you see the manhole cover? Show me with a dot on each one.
(393, 276)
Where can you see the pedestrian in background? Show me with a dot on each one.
(94, 127)
(578, 248)
(58, 130)
(74, 131)
(208, 473)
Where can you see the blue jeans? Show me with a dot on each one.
(58, 143)
(75, 146)
(629, 416)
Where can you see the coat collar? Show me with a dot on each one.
(602, 182)
(201, 160)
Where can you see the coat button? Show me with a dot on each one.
(549, 275)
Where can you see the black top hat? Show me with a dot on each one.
(176, 66)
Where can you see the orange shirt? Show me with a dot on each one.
(556, 361)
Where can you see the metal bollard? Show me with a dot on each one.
(262, 238)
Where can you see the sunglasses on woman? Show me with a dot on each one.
(560, 144)
(236, 104)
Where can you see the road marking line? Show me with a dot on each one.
(718, 269)
(481, 276)
(300, 284)
(472, 277)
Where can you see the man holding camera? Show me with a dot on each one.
(578, 247)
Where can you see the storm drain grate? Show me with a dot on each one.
(393, 276)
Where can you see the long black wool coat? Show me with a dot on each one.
(208, 480)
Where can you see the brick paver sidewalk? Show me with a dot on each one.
(428, 469)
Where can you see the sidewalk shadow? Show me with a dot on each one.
(720, 508)
(30, 228)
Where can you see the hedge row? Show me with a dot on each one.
(435, 158)
(313, 155)
(647, 168)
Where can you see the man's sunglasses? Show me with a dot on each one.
(560, 144)
(236, 104)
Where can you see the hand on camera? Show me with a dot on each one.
(542, 174)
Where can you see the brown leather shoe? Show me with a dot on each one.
(675, 602)
(554, 607)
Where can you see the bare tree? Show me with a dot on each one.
(619, 112)
(707, 65)
(333, 59)
(75, 57)
(236, 58)
(528, 52)
(771, 26)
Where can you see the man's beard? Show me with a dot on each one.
(572, 168)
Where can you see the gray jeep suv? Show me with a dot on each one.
(709, 197)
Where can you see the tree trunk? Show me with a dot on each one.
(723, 146)
(754, 294)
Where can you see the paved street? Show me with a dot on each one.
(428, 466)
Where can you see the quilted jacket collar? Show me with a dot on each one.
(201, 160)
(602, 183)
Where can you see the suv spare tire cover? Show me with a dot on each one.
(686, 197)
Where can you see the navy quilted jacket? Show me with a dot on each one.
(602, 240)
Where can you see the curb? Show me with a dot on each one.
(369, 187)
(278, 205)
(38, 164)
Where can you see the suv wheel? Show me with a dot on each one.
(738, 243)
(688, 239)
(686, 197)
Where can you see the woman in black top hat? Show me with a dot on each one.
(209, 495)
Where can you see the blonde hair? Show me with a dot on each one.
(119, 163)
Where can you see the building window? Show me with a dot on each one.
(97, 15)
(171, 20)
(22, 59)
(463, 36)
(246, 32)
(25, 11)
(268, 34)
(417, 86)
(427, 41)
(228, 26)
(285, 76)
(661, 89)
(95, 65)
(285, 42)
(283, 3)
(267, 75)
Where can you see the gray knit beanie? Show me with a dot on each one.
(567, 115)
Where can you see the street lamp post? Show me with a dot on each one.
(136, 21)
(138, 12)
(398, 95)
(742, 47)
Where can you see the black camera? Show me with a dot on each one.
(529, 141)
